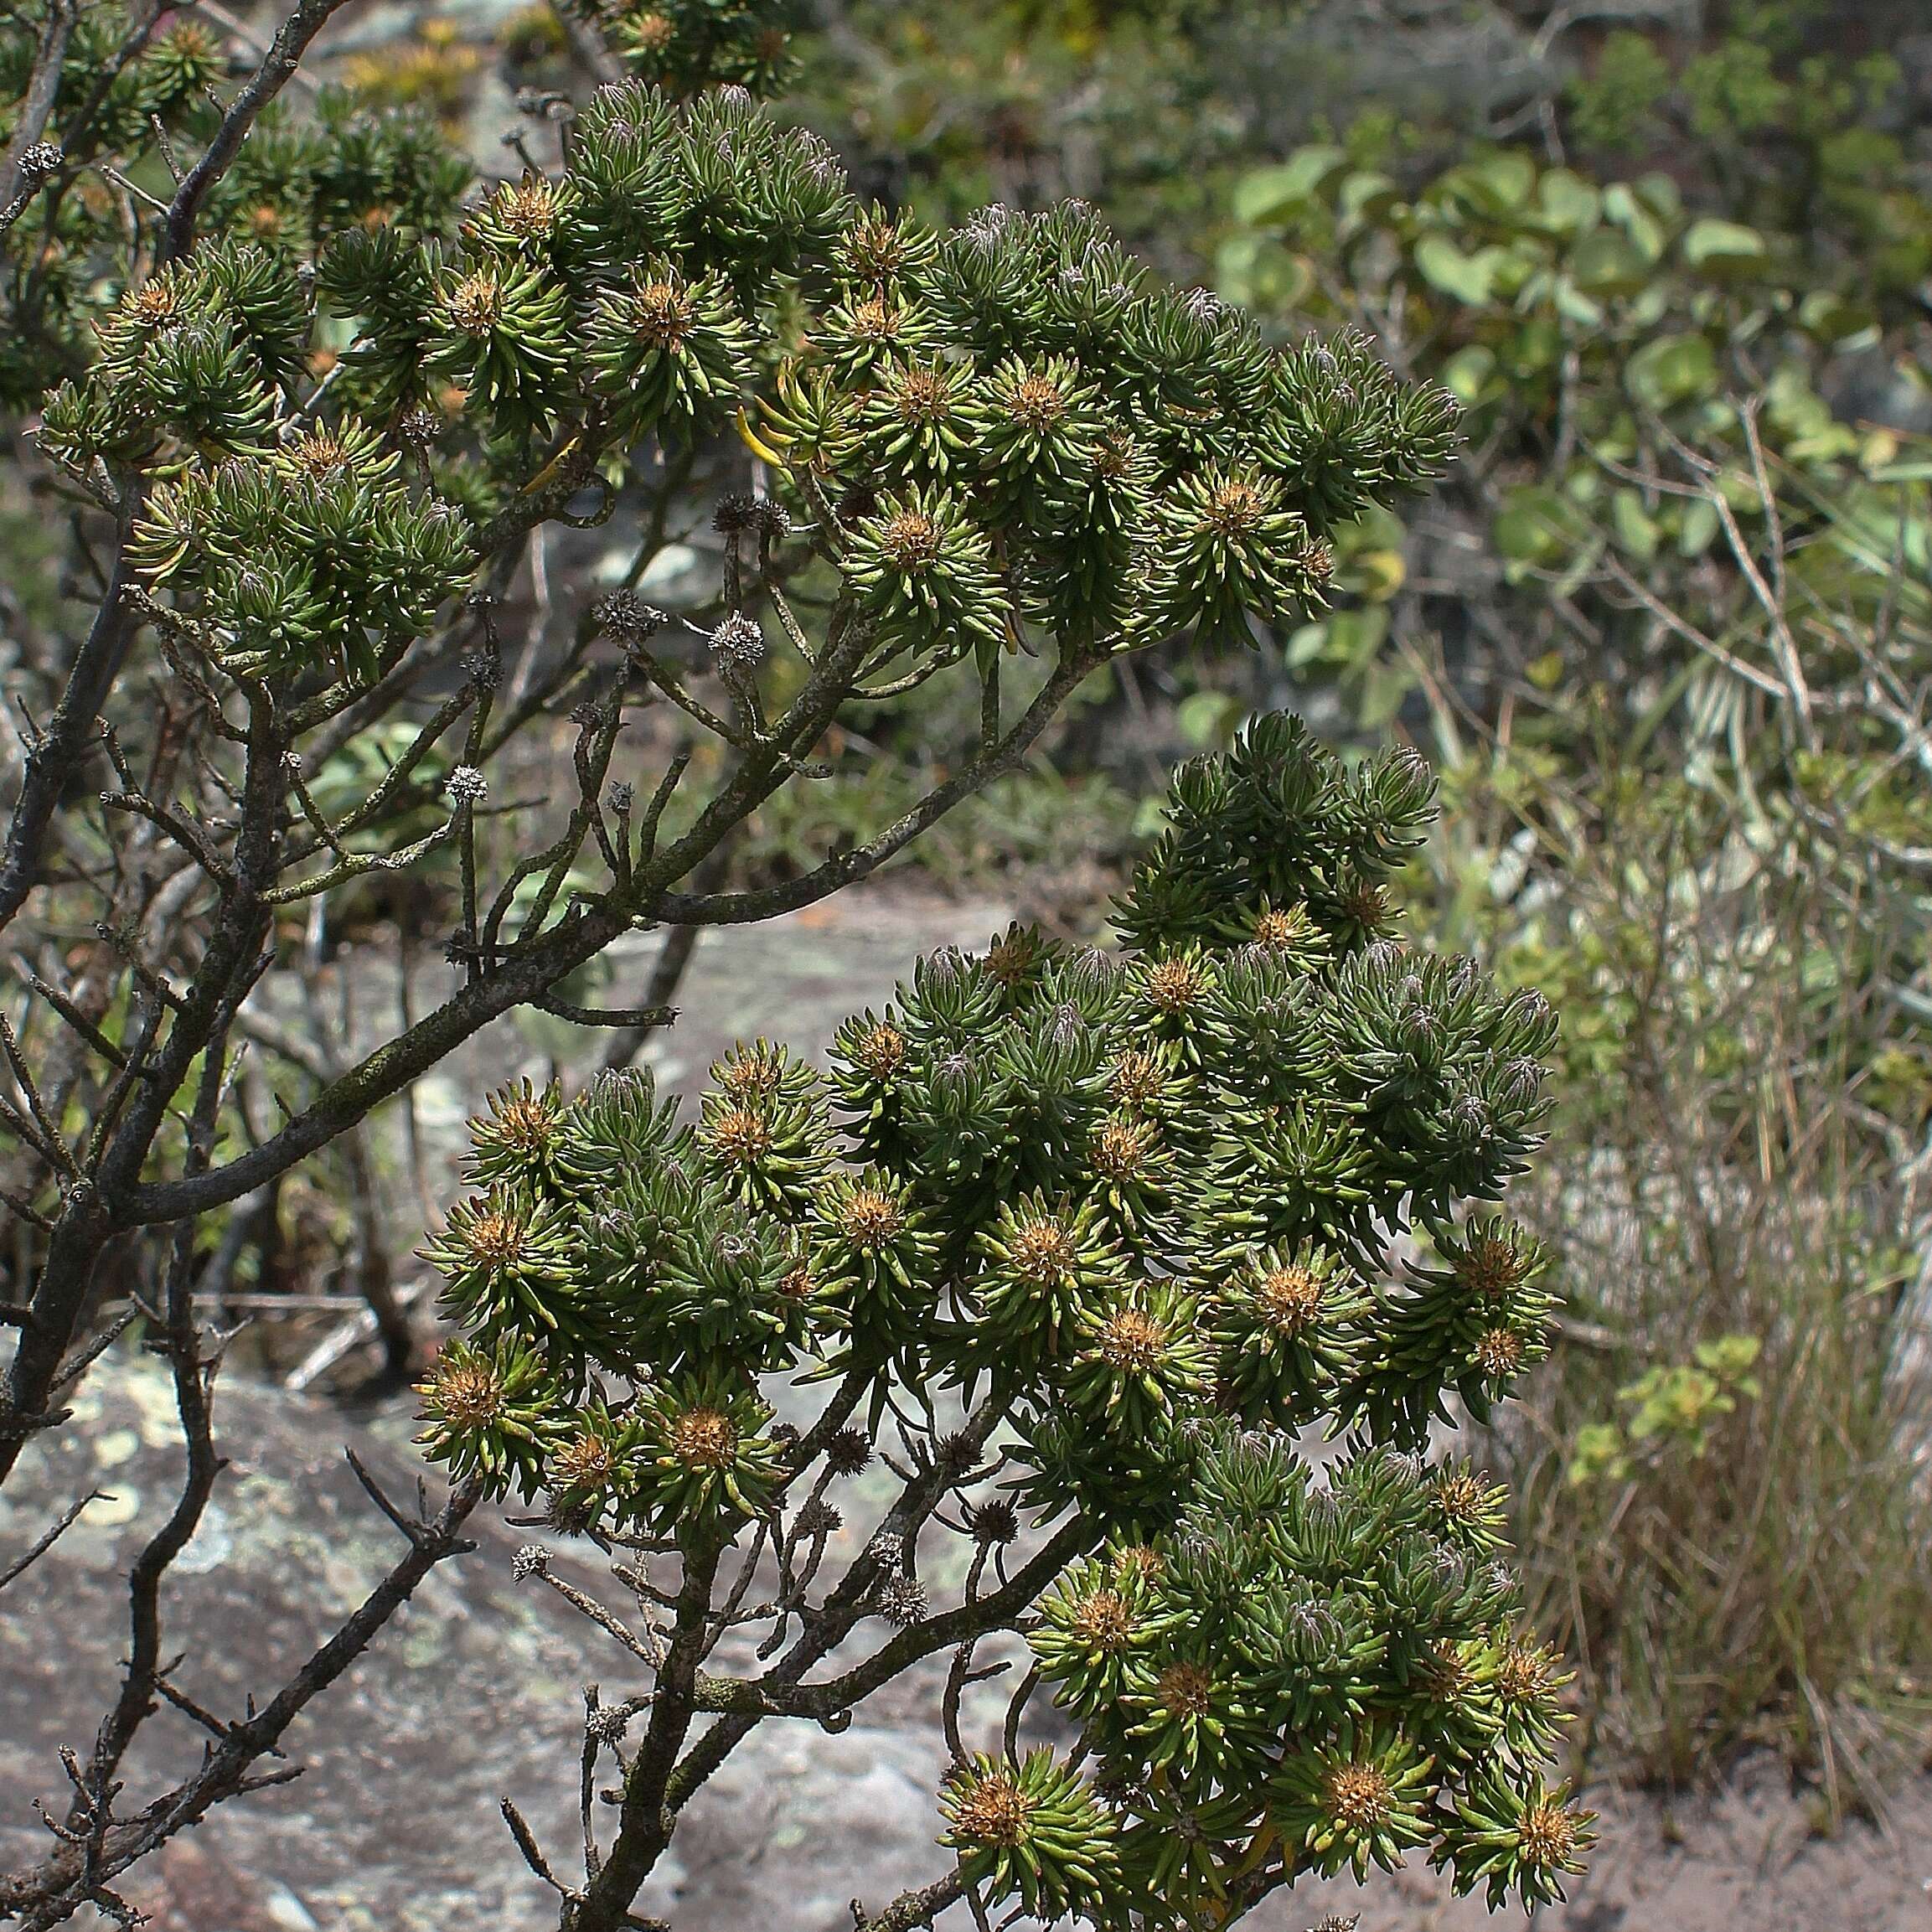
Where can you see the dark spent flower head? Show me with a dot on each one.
(995, 1521)
(848, 1452)
(900, 1599)
(626, 615)
(817, 1517)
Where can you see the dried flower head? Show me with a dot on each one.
(1131, 1341)
(476, 304)
(1037, 402)
(900, 1599)
(848, 1452)
(992, 1812)
(1042, 1251)
(1104, 1621)
(910, 540)
(1359, 1797)
(1551, 1834)
(1289, 1298)
(738, 645)
(528, 209)
(662, 314)
(704, 1439)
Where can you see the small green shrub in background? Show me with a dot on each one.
(1669, 626)
(1083, 1241)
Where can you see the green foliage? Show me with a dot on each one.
(1134, 1212)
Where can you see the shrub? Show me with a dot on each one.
(306, 406)
(1091, 1239)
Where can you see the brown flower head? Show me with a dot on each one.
(1139, 1077)
(1499, 1351)
(1359, 1797)
(881, 1051)
(1184, 1690)
(1236, 508)
(1131, 1341)
(869, 1218)
(1174, 985)
(493, 1239)
(992, 1812)
(740, 1136)
(704, 1439)
(1104, 1621)
(1289, 1298)
(585, 1463)
(476, 303)
(469, 1393)
(1551, 1835)
(1121, 1149)
(1042, 1250)
(910, 540)
(662, 314)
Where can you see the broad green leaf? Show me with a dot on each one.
(1566, 203)
(1470, 278)
(1269, 192)
(1604, 262)
(1671, 369)
(1719, 245)
(1498, 182)
(1636, 528)
(1465, 374)
(1645, 232)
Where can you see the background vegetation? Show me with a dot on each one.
(1666, 629)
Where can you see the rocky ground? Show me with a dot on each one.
(473, 1693)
